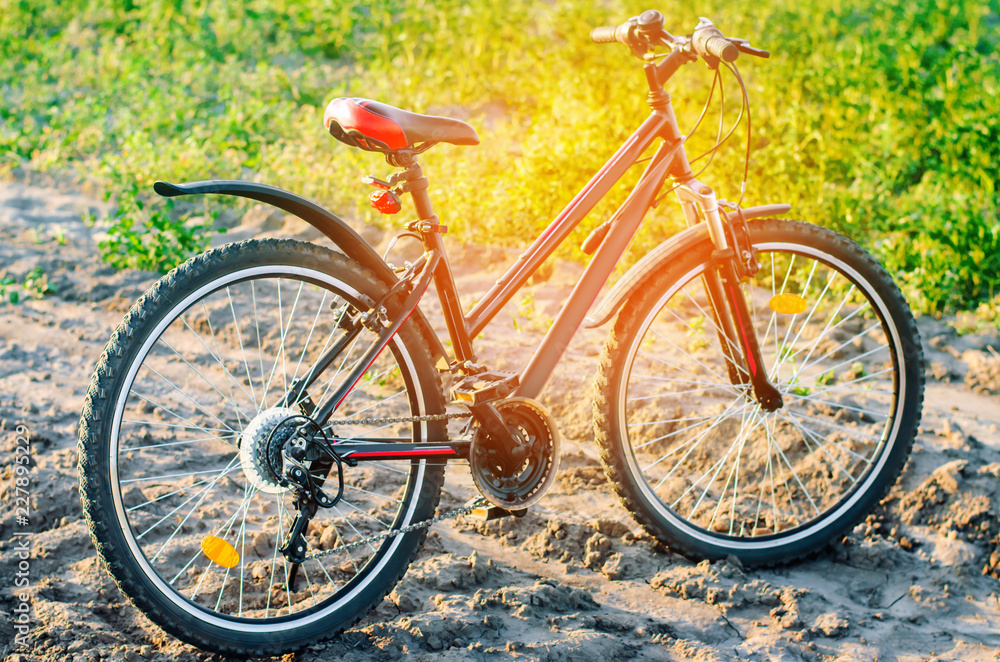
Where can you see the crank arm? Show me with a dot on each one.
(493, 425)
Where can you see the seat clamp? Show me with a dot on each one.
(410, 186)
(427, 226)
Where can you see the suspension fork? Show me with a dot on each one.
(730, 312)
(735, 316)
(725, 330)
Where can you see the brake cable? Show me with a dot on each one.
(746, 104)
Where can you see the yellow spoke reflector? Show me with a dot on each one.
(220, 551)
(787, 304)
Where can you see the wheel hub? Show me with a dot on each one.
(260, 448)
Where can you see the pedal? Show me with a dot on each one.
(489, 512)
(485, 386)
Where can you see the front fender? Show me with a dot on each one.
(338, 231)
(658, 258)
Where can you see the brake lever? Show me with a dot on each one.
(744, 46)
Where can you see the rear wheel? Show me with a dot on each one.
(185, 515)
(696, 459)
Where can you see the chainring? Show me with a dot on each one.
(518, 479)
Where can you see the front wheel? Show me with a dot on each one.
(696, 459)
(177, 465)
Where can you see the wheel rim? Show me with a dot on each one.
(202, 388)
(719, 468)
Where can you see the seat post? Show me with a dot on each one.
(444, 281)
(416, 185)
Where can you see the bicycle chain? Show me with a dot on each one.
(464, 510)
(458, 512)
(400, 419)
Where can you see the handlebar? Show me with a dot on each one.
(610, 34)
(708, 41)
(646, 31)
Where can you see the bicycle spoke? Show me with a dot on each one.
(807, 319)
(322, 352)
(812, 345)
(853, 359)
(230, 399)
(795, 475)
(355, 529)
(820, 390)
(740, 439)
(164, 496)
(218, 532)
(173, 413)
(793, 421)
(365, 514)
(214, 355)
(809, 398)
(835, 426)
(676, 432)
(697, 438)
(668, 394)
(188, 397)
(819, 441)
(181, 443)
(305, 345)
(203, 492)
(260, 348)
(239, 339)
(719, 332)
(165, 476)
(174, 425)
(656, 358)
(348, 486)
(274, 555)
(673, 420)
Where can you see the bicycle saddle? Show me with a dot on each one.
(378, 127)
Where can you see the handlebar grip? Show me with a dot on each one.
(604, 35)
(722, 48)
(710, 42)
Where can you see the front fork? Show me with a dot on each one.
(728, 302)
(733, 321)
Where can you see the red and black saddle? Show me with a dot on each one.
(379, 127)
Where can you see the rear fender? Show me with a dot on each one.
(659, 258)
(338, 231)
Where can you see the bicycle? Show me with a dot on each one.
(264, 442)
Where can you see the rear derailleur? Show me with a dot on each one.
(307, 486)
(284, 451)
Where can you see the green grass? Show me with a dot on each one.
(879, 119)
(34, 285)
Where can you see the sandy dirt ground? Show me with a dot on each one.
(576, 579)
